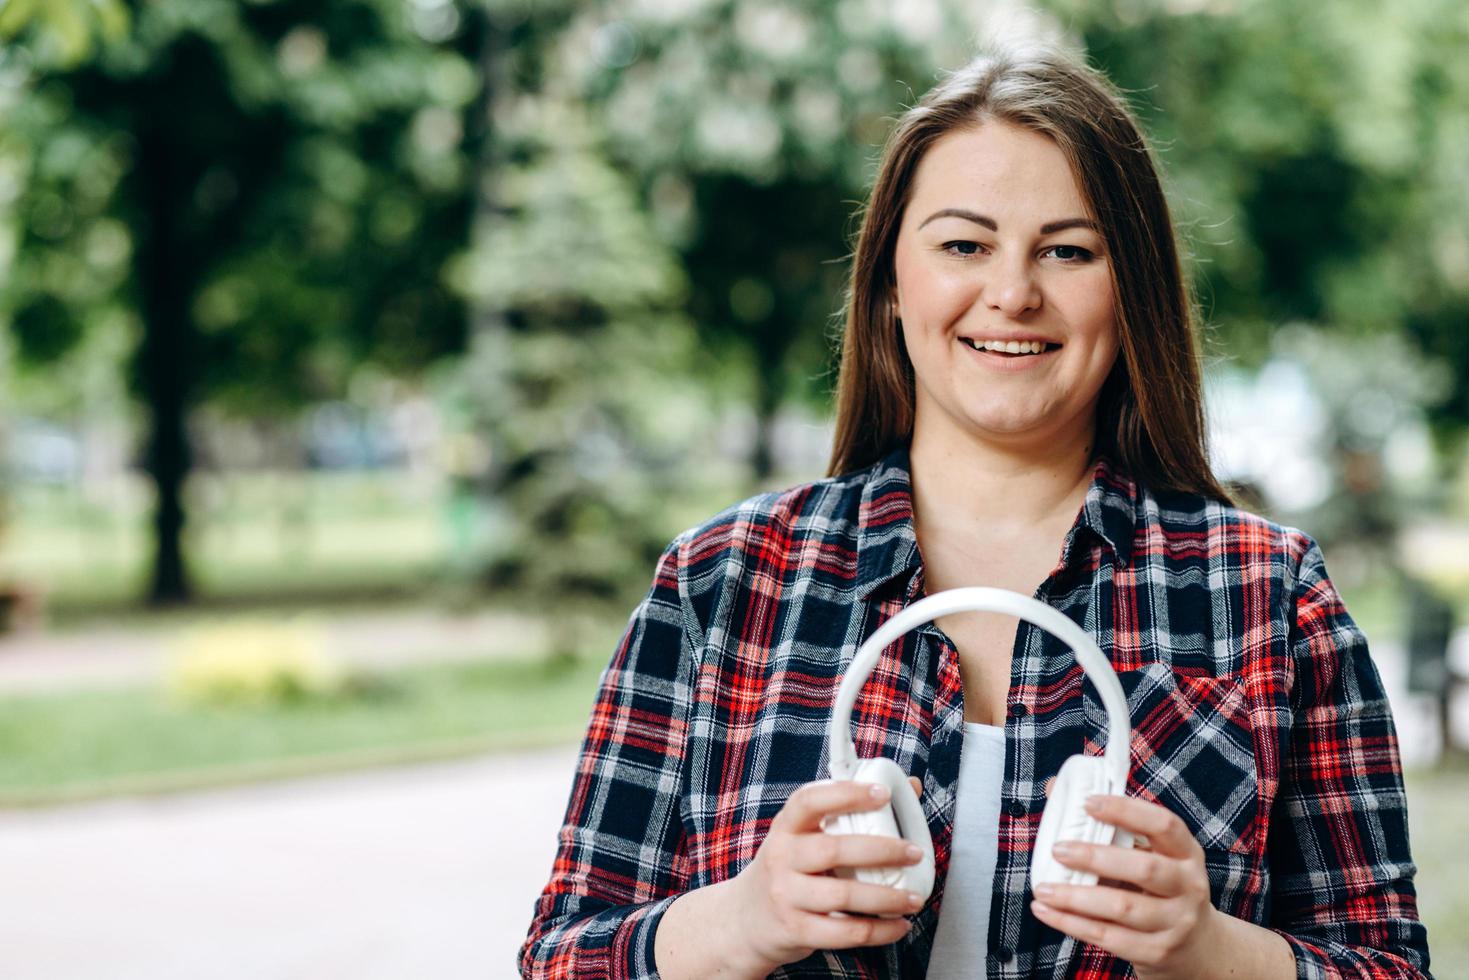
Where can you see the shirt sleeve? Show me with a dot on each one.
(620, 858)
(1342, 891)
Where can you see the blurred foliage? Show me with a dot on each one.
(1315, 153)
(263, 194)
(579, 377)
(539, 199)
(315, 188)
(63, 31)
(1372, 388)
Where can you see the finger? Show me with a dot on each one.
(812, 801)
(917, 785)
(1049, 783)
(1153, 873)
(814, 853)
(1163, 831)
(1144, 913)
(835, 931)
(821, 893)
(1126, 886)
(1119, 940)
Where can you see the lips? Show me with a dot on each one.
(1010, 345)
(999, 360)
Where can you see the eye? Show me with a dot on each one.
(964, 248)
(1079, 254)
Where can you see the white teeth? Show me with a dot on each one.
(1009, 346)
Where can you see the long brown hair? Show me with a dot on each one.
(1155, 429)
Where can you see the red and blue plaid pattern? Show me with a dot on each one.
(1258, 717)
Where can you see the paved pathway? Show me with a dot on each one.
(427, 872)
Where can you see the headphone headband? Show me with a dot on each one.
(982, 599)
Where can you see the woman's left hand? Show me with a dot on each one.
(1164, 924)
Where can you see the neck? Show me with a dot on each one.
(970, 487)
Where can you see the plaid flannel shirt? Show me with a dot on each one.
(1258, 718)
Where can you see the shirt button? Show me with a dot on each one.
(1004, 955)
(1015, 808)
(1018, 710)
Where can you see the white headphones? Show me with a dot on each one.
(1064, 817)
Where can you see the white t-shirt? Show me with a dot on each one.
(961, 941)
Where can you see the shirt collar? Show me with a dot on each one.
(887, 544)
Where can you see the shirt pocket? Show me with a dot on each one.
(1192, 750)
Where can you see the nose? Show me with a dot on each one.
(1010, 287)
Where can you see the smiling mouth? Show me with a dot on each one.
(1011, 348)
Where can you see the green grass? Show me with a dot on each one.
(257, 540)
(251, 539)
(62, 747)
(1435, 799)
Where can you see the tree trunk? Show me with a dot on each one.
(768, 390)
(165, 286)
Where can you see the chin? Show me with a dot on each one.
(999, 417)
(990, 428)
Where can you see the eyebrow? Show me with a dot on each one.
(992, 225)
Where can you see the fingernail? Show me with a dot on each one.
(1095, 803)
(1045, 891)
(877, 791)
(1065, 849)
(914, 900)
(913, 852)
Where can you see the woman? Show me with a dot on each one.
(1019, 406)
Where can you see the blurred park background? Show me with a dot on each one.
(358, 357)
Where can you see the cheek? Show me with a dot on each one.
(1094, 307)
(930, 295)
(1092, 317)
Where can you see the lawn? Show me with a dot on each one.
(62, 747)
(251, 538)
(270, 540)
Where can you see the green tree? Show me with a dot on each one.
(64, 31)
(268, 191)
(577, 391)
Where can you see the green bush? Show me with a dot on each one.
(253, 663)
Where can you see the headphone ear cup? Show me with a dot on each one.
(1065, 818)
(902, 818)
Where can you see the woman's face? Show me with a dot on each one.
(994, 248)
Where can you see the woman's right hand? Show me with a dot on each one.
(783, 900)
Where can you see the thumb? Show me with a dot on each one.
(917, 786)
